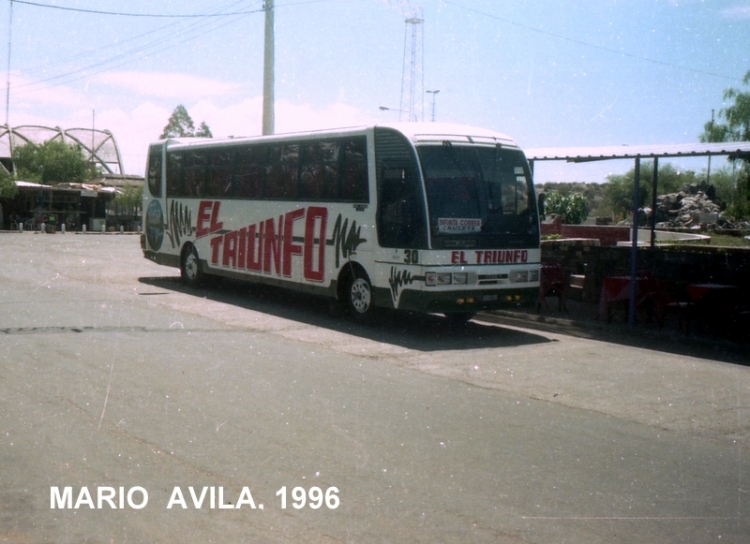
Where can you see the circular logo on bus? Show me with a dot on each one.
(155, 225)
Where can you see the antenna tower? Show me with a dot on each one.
(412, 77)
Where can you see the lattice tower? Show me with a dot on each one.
(412, 77)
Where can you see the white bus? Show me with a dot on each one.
(424, 217)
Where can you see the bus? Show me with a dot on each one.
(424, 217)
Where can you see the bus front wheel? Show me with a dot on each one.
(190, 268)
(359, 297)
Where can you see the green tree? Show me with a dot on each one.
(618, 191)
(8, 187)
(180, 125)
(737, 117)
(736, 128)
(204, 131)
(53, 161)
(573, 208)
(130, 197)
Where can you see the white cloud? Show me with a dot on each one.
(737, 12)
(135, 125)
(166, 84)
(27, 95)
(134, 130)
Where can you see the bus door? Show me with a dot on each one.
(401, 216)
(400, 221)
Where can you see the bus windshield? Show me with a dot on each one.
(479, 197)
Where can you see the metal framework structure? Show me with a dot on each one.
(98, 146)
(412, 77)
(733, 150)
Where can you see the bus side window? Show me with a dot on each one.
(194, 174)
(354, 186)
(154, 171)
(250, 172)
(174, 174)
(283, 172)
(219, 174)
(398, 212)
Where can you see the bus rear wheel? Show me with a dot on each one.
(190, 268)
(359, 297)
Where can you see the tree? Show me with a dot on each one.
(737, 117)
(204, 131)
(572, 208)
(8, 188)
(130, 197)
(618, 191)
(51, 162)
(735, 129)
(180, 125)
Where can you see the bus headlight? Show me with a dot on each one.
(460, 278)
(519, 276)
(444, 278)
(430, 279)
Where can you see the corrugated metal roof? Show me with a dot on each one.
(586, 154)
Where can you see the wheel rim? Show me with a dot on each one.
(191, 266)
(360, 295)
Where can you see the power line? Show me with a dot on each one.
(589, 44)
(155, 46)
(123, 14)
(155, 15)
(119, 43)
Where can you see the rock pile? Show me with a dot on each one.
(685, 210)
(695, 207)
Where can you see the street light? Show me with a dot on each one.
(433, 93)
(385, 108)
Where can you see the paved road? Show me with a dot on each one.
(113, 376)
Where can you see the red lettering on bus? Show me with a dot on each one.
(203, 217)
(272, 246)
(241, 246)
(254, 256)
(502, 256)
(315, 214)
(268, 246)
(291, 248)
(216, 225)
(215, 246)
(229, 257)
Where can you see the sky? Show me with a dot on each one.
(548, 73)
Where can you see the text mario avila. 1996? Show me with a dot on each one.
(196, 498)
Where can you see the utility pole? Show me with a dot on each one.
(708, 173)
(268, 71)
(7, 95)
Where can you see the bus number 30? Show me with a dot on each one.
(411, 256)
(313, 497)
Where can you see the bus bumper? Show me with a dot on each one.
(468, 301)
